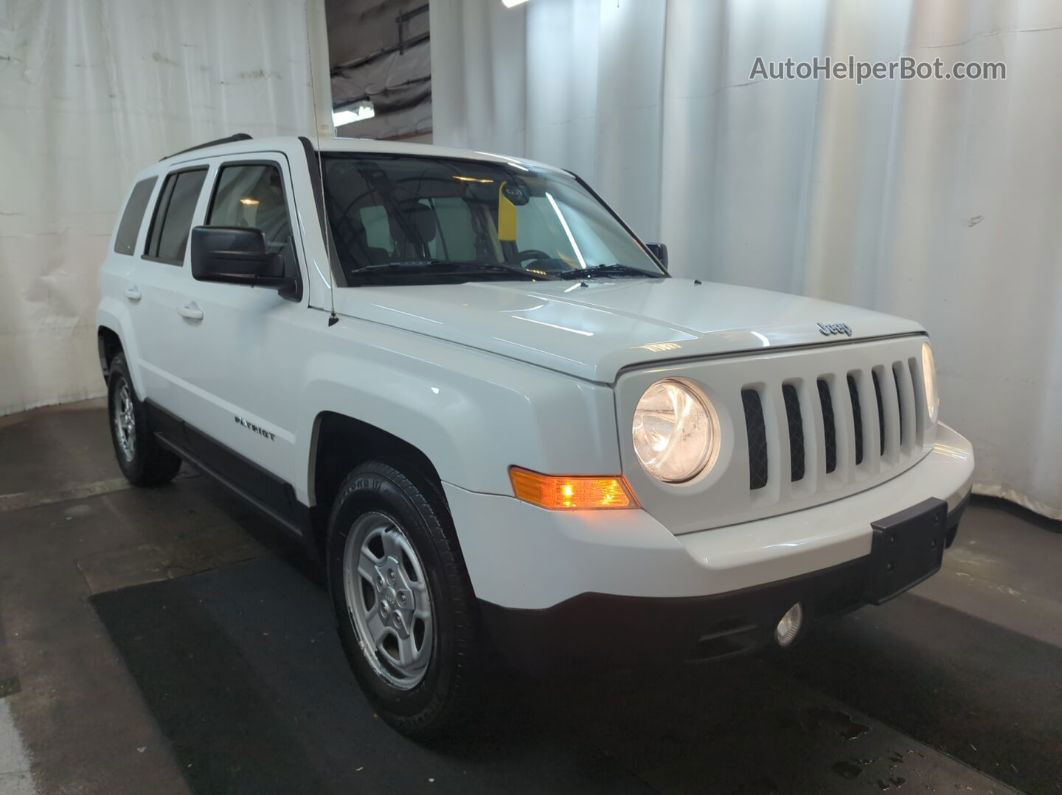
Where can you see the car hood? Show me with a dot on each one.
(596, 328)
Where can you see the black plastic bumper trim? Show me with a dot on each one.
(595, 630)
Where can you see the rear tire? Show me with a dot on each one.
(143, 461)
(404, 605)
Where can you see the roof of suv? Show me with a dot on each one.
(237, 145)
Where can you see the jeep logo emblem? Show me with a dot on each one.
(829, 329)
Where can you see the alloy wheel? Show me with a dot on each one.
(124, 420)
(388, 599)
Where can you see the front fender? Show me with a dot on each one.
(473, 414)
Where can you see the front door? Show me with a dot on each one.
(242, 356)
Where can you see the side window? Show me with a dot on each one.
(252, 195)
(129, 226)
(172, 223)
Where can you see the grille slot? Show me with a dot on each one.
(898, 380)
(796, 432)
(881, 409)
(829, 430)
(757, 435)
(857, 417)
(916, 386)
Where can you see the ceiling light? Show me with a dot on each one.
(359, 111)
(513, 3)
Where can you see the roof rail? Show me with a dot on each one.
(229, 140)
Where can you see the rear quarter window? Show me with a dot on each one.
(129, 226)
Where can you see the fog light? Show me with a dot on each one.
(789, 627)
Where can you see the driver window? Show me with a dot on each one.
(252, 195)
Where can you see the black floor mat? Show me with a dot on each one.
(242, 670)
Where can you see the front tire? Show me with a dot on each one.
(405, 608)
(143, 461)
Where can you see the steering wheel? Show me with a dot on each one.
(541, 262)
(532, 253)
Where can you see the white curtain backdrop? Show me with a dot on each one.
(939, 200)
(90, 92)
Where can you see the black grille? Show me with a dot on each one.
(828, 428)
(757, 434)
(881, 409)
(796, 431)
(899, 396)
(857, 416)
(916, 385)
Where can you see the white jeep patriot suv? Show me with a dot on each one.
(490, 412)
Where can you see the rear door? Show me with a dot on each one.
(157, 288)
(116, 285)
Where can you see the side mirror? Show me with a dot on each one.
(238, 255)
(658, 250)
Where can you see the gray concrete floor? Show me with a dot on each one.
(171, 641)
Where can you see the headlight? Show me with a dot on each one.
(929, 380)
(676, 431)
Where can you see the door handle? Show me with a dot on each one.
(191, 311)
(132, 292)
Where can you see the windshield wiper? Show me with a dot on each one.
(410, 264)
(449, 267)
(617, 269)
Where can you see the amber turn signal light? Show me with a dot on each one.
(571, 492)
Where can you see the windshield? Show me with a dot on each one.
(399, 219)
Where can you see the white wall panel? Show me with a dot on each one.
(91, 91)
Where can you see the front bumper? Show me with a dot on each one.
(522, 557)
(593, 629)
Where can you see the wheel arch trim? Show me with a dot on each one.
(114, 318)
